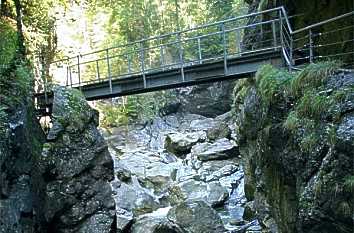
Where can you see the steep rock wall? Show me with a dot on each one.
(296, 137)
(76, 167)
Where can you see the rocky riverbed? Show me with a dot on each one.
(179, 173)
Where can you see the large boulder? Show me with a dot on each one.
(196, 217)
(134, 198)
(155, 222)
(76, 167)
(154, 170)
(208, 100)
(220, 130)
(181, 143)
(191, 190)
(220, 149)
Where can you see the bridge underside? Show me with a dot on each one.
(237, 68)
(214, 71)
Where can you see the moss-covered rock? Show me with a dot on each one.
(76, 167)
(296, 137)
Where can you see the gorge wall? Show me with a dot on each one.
(58, 182)
(296, 139)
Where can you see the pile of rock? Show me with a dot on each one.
(183, 177)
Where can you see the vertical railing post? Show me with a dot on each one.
(162, 54)
(142, 62)
(291, 53)
(71, 77)
(274, 35)
(180, 49)
(281, 30)
(224, 48)
(311, 45)
(98, 71)
(199, 51)
(78, 70)
(129, 63)
(238, 42)
(67, 76)
(109, 71)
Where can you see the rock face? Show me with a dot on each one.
(208, 100)
(20, 147)
(298, 155)
(76, 167)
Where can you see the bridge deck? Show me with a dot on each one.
(195, 74)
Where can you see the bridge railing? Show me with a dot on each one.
(199, 45)
(219, 41)
(331, 39)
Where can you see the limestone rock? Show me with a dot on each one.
(196, 217)
(220, 130)
(135, 198)
(181, 143)
(76, 167)
(191, 190)
(155, 222)
(220, 149)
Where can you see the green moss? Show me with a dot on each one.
(292, 122)
(272, 83)
(312, 77)
(313, 105)
(311, 109)
(309, 142)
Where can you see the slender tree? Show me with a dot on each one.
(21, 40)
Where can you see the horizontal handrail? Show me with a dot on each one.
(323, 22)
(173, 33)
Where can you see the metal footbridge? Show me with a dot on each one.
(230, 49)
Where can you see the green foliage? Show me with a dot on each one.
(292, 122)
(309, 141)
(272, 83)
(312, 77)
(313, 108)
(313, 105)
(135, 108)
(16, 85)
(113, 116)
(8, 42)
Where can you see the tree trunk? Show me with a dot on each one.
(21, 39)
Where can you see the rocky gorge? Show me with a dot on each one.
(271, 153)
(180, 173)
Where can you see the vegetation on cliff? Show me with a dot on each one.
(296, 136)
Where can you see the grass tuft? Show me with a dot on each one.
(272, 83)
(313, 76)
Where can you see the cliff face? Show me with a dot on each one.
(76, 167)
(20, 147)
(296, 137)
(58, 186)
(21, 140)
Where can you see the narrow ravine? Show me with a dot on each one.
(175, 160)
